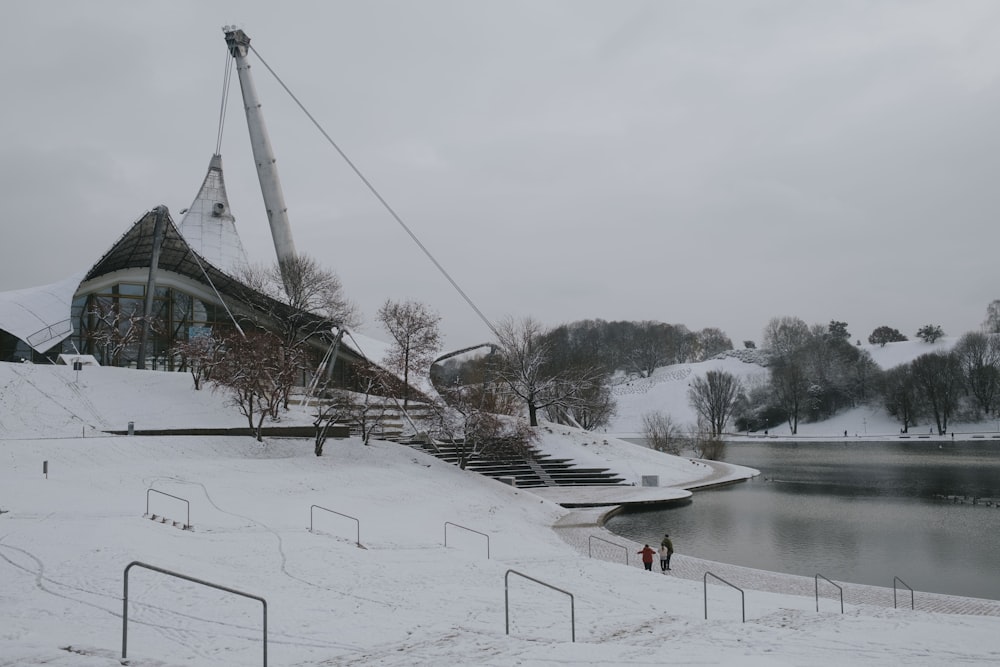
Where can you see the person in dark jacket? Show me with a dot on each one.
(647, 557)
(666, 551)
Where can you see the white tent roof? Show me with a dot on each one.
(40, 316)
(209, 226)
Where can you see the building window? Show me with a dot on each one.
(108, 324)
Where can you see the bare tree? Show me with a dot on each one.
(939, 378)
(646, 346)
(115, 329)
(785, 335)
(416, 339)
(662, 433)
(979, 356)
(714, 398)
(199, 356)
(992, 322)
(257, 371)
(708, 447)
(368, 406)
(645, 356)
(337, 408)
(790, 388)
(315, 296)
(521, 366)
(362, 411)
(595, 408)
(475, 433)
(901, 395)
(712, 341)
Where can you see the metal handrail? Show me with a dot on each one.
(743, 601)
(449, 523)
(820, 576)
(185, 578)
(52, 331)
(187, 526)
(894, 580)
(506, 601)
(356, 520)
(595, 537)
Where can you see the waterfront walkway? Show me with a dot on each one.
(579, 525)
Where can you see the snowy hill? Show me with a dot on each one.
(402, 599)
(667, 391)
(61, 403)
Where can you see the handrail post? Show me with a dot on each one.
(894, 580)
(595, 537)
(187, 526)
(356, 520)
(817, 578)
(743, 602)
(185, 578)
(449, 523)
(506, 601)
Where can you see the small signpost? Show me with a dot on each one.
(45, 469)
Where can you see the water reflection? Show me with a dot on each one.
(855, 512)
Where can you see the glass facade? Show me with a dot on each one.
(108, 324)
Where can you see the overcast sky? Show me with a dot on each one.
(714, 164)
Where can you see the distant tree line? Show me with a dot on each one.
(814, 372)
(961, 384)
(565, 372)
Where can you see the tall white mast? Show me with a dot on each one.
(267, 171)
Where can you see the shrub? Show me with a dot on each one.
(662, 433)
(710, 448)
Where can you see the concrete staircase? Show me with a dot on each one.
(535, 470)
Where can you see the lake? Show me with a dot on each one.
(852, 511)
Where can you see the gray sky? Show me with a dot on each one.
(706, 163)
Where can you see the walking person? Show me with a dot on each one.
(664, 559)
(666, 551)
(647, 557)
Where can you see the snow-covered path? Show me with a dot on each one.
(579, 526)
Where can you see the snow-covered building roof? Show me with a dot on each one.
(201, 255)
(205, 246)
(40, 315)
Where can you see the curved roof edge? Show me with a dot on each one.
(40, 316)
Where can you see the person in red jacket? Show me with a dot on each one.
(647, 557)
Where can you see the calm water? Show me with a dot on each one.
(852, 511)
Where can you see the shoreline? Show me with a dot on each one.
(773, 581)
(955, 436)
(576, 528)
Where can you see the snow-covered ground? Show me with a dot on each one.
(402, 598)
